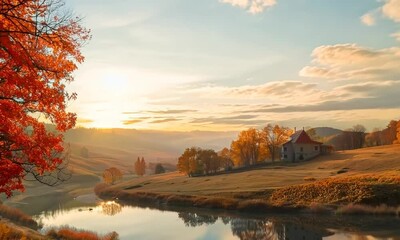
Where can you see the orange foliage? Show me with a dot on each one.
(360, 189)
(112, 175)
(68, 233)
(248, 149)
(39, 49)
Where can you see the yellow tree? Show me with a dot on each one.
(189, 162)
(397, 141)
(112, 175)
(274, 137)
(248, 148)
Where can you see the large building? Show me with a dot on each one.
(300, 147)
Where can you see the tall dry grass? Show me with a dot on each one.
(70, 233)
(354, 209)
(367, 189)
(9, 231)
(17, 216)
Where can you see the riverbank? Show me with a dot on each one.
(368, 176)
(361, 194)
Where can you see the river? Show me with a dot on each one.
(134, 222)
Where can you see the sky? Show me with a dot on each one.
(227, 65)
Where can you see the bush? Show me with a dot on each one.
(159, 169)
(17, 216)
(309, 179)
(372, 210)
(70, 233)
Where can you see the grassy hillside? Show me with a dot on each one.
(368, 160)
(261, 183)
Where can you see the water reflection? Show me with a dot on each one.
(138, 223)
(194, 219)
(248, 229)
(110, 208)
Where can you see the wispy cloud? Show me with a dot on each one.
(84, 120)
(252, 6)
(172, 111)
(396, 36)
(278, 88)
(131, 121)
(165, 120)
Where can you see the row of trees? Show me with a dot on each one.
(389, 135)
(112, 175)
(252, 146)
(196, 161)
(140, 166)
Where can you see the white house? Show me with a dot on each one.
(300, 147)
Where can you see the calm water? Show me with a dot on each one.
(143, 223)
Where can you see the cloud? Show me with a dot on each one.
(252, 6)
(368, 19)
(391, 9)
(84, 120)
(279, 88)
(131, 121)
(130, 113)
(243, 120)
(352, 62)
(396, 36)
(172, 111)
(165, 120)
(369, 95)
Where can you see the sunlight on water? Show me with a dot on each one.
(144, 223)
(135, 223)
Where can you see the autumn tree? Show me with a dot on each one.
(159, 169)
(225, 158)
(373, 138)
(209, 159)
(140, 166)
(248, 148)
(40, 46)
(274, 137)
(397, 141)
(197, 161)
(359, 135)
(187, 162)
(112, 175)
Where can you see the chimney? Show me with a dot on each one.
(294, 129)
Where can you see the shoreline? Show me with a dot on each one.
(367, 194)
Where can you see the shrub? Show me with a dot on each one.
(17, 216)
(372, 210)
(309, 179)
(70, 233)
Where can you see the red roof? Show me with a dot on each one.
(301, 137)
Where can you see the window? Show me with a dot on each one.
(284, 156)
(316, 148)
(285, 149)
(301, 149)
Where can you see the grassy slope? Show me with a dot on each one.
(87, 172)
(260, 183)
